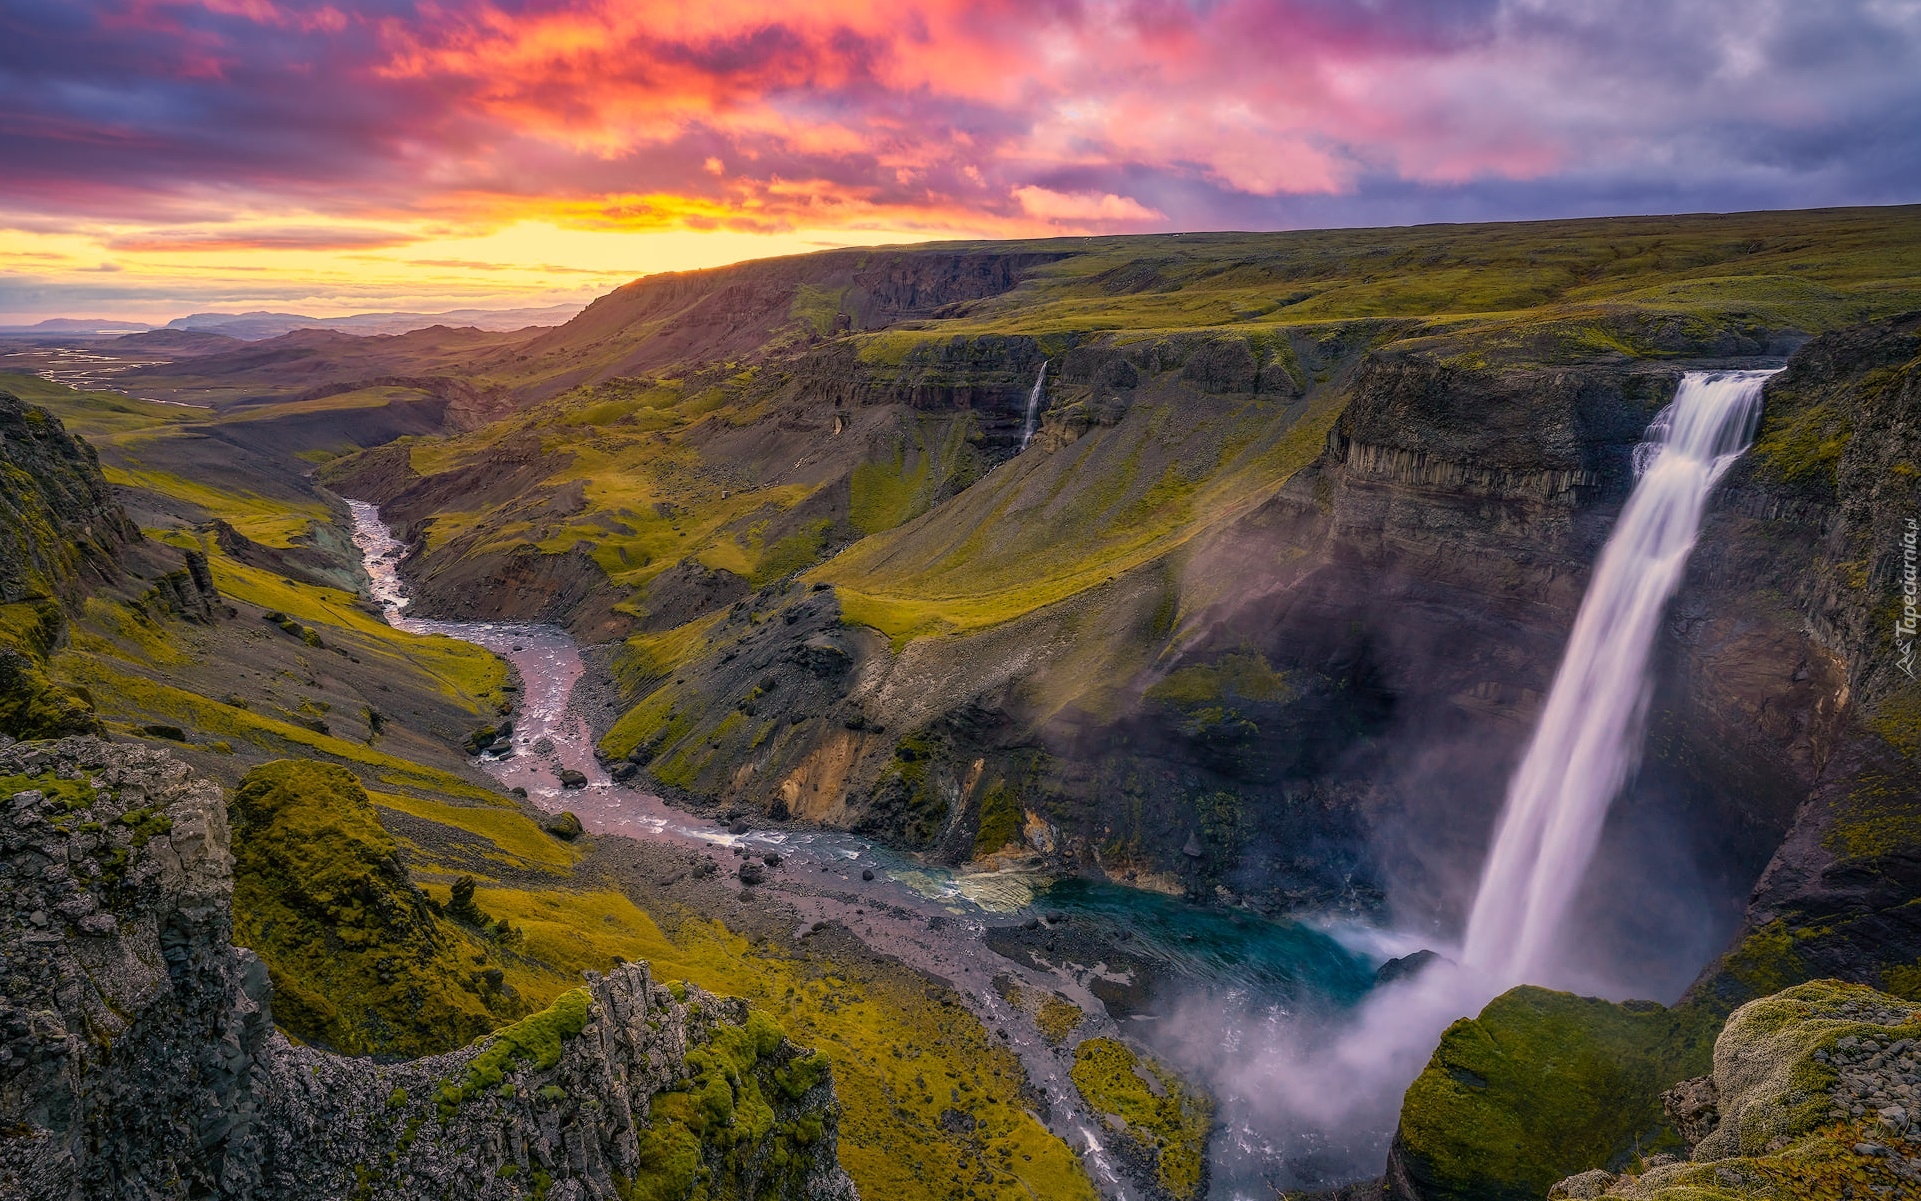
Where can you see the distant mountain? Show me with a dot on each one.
(250, 326)
(178, 341)
(259, 326)
(77, 325)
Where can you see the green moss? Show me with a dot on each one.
(31, 704)
(717, 1131)
(1805, 446)
(1879, 817)
(1165, 1118)
(1543, 1085)
(1778, 1135)
(1243, 675)
(536, 1041)
(883, 495)
(1903, 980)
(359, 960)
(70, 795)
(1058, 1018)
(1001, 817)
(817, 308)
(795, 552)
(908, 785)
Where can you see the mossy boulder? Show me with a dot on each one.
(1808, 1083)
(360, 962)
(1539, 1086)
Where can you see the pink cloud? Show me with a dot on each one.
(1084, 208)
(991, 115)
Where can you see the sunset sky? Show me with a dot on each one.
(164, 156)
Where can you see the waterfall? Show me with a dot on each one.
(1033, 406)
(1589, 739)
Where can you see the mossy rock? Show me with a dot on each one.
(31, 706)
(1540, 1086)
(1778, 1134)
(1163, 1120)
(360, 962)
(739, 1120)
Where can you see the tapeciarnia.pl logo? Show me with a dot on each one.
(1906, 625)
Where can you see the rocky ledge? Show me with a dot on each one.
(1813, 1095)
(138, 1056)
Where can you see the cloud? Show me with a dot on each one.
(1085, 207)
(934, 116)
(247, 238)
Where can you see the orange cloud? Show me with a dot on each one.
(1081, 207)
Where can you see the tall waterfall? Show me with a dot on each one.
(1033, 406)
(1589, 739)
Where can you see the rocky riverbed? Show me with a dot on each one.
(1119, 956)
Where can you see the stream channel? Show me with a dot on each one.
(1146, 954)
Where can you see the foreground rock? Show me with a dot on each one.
(1814, 1096)
(140, 1057)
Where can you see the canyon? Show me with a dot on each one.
(1230, 568)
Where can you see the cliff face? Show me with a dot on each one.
(1267, 613)
(1784, 654)
(60, 526)
(1828, 499)
(1321, 690)
(140, 1057)
(64, 537)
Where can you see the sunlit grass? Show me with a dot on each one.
(901, 1058)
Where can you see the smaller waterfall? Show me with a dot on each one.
(1033, 406)
(1589, 740)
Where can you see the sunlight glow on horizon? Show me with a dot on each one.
(529, 263)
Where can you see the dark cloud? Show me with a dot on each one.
(1252, 113)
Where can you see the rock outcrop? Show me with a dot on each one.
(1815, 1088)
(140, 1058)
(63, 537)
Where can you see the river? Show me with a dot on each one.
(1259, 970)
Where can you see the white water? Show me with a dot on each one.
(1033, 406)
(1338, 1089)
(1589, 740)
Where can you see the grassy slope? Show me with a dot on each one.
(1810, 269)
